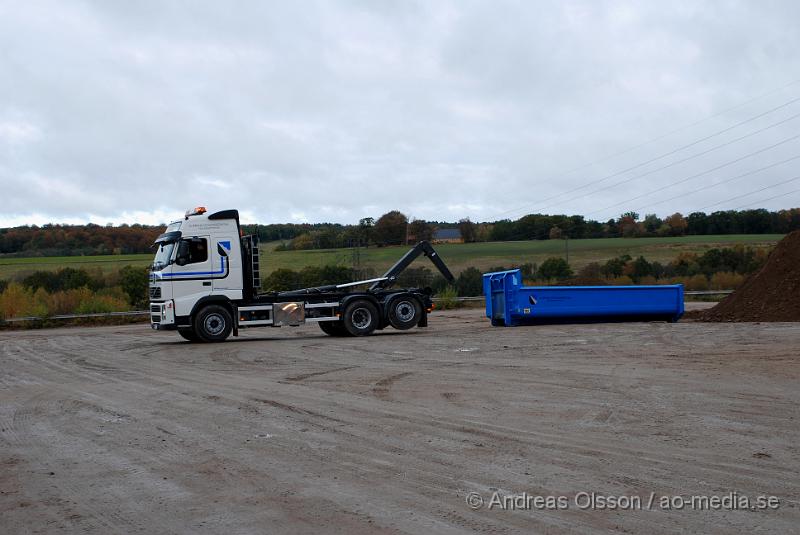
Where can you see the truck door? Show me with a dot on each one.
(228, 261)
(191, 273)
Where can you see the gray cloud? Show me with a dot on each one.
(115, 111)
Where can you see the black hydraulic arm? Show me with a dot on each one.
(422, 247)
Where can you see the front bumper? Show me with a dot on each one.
(162, 315)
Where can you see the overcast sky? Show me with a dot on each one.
(116, 111)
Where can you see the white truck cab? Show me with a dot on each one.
(197, 257)
(205, 278)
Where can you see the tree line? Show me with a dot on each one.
(395, 228)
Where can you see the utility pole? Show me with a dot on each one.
(566, 247)
(356, 258)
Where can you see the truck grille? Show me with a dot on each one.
(155, 292)
(155, 313)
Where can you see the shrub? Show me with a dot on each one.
(438, 284)
(312, 276)
(415, 278)
(64, 279)
(614, 267)
(622, 281)
(639, 268)
(470, 282)
(68, 301)
(15, 301)
(726, 281)
(98, 303)
(696, 283)
(592, 270)
(39, 306)
(286, 279)
(448, 298)
(555, 268)
(281, 280)
(134, 283)
(528, 270)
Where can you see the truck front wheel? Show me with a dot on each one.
(189, 334)
(333, 328)
(213, 323)
(360, 317)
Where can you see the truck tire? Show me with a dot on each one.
(213, 323)
(189, 334)
(360, 317)
(333, 328)
(404, 312)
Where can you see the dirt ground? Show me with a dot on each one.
(123, 430)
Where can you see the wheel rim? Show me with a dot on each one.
(214, 324)
(362, 318)
(405, 311)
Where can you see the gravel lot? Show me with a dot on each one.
(120, 429)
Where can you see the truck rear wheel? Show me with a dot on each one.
(333, 328)
(213, 323)
(189, 334)
(360, 317)
(404, 312)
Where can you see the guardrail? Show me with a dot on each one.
(78, 316)
(146, 312)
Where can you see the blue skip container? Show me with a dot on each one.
(509, 303)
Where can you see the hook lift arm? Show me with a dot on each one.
(388, 278)
(422, 247)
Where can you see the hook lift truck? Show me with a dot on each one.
(205, 282)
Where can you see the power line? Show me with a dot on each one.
(715, 184)
(755, 132)
(679, 129)
(664, 155)
(768, 199)
(793, 179)
(709, 186)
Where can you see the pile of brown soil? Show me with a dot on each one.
(770, 294)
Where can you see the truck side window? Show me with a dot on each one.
(192, 251)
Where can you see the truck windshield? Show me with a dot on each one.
(163, 255)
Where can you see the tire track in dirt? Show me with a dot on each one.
(304, 376)
(381, 388)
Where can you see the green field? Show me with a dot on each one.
(485, 255)
(16, 267)
(457, 256)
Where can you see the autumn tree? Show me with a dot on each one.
(629, 225)
(420, 230)
(366, 226)
(468, 230)
(390, 228)
(677, 224)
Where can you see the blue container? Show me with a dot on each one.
(510, 303)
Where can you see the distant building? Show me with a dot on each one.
(447, 235)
